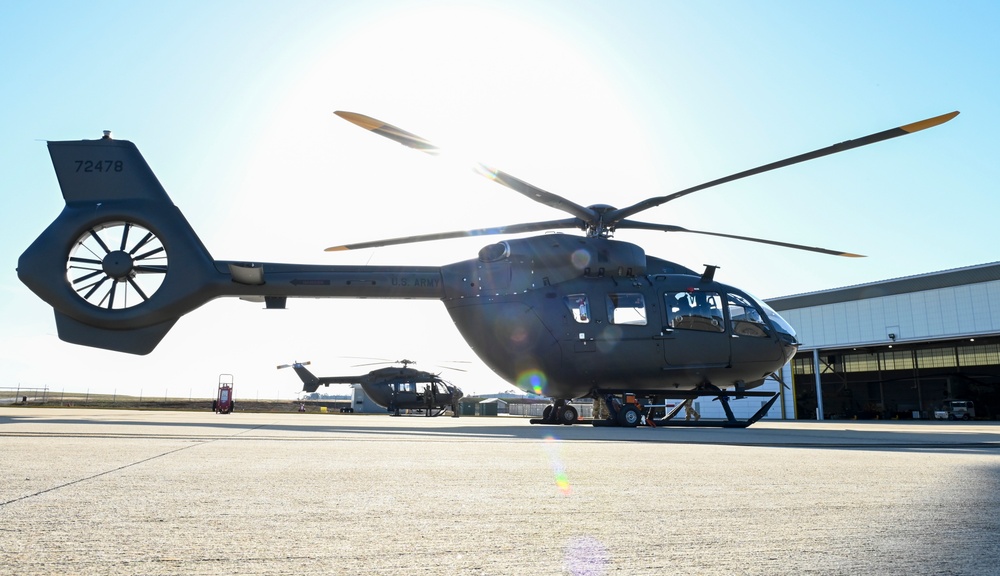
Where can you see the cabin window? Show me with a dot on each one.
(627, 308)
(579, 305)
(745, 318)
(695, 310)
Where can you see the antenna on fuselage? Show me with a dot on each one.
(709, 274)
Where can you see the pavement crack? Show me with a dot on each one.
(123, 467)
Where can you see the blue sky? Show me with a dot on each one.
(231, 103)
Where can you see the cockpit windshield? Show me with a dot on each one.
(780, 324)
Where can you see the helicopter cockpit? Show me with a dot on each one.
(695, 310)
(785, 330)
(702, 310)
(691, 309)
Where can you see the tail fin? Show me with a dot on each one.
(100, 262)
(310, 383)
(105, 170)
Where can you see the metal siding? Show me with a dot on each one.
(927, 322)
(956, 304)
(994, 295)
(994, 290)
(840, 321)
(959, 306)
(951, 311)
(892, 309)
(815, 323)
(980, 309)
(864, 315)
(874, 315)
(827, 323)
(852, 310)
(801, 320)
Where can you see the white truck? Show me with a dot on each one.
(955, 410)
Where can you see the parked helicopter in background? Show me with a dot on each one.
(560, 315)
(394, 388)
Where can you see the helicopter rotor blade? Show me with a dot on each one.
(671, 228)
(511, 229)
(404, 362)
(614, 216)
(451, 368)
(500, 177)
(600, 220)
(389, 131)
(549, 199)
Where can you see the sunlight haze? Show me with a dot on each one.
(232, 104)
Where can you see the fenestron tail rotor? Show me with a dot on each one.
(116, 265)
(602, 220)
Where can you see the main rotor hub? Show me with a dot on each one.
(598, 227)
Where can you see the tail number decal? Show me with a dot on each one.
(99, 165)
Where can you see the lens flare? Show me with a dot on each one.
(580, 259)
(533, 380)
(562, 481)
(586, 556)
(610, 338)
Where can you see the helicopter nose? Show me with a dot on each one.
(789, 346)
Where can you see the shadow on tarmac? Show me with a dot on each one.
(833, 435)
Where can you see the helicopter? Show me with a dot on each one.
(560, 315)
(393, 387)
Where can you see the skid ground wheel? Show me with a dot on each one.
(116, 265)
(567, 415)
(547, 413)
(629, 416)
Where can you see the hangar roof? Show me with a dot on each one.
(907, 284)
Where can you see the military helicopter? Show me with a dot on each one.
(394, 388)
(561, 315)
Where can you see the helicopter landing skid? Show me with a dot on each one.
(729, 422)
(630, 416)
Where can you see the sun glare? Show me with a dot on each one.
(487, 86)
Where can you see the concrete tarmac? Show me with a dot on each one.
(126, 492)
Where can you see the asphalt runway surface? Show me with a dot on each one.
(128, 492)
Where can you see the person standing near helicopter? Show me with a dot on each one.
(456, 400)
(689, 410)
(600, 408)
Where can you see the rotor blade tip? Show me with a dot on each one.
(366, 122)
(335, 249)
(930, 122)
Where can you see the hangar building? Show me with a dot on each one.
(895, 349)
